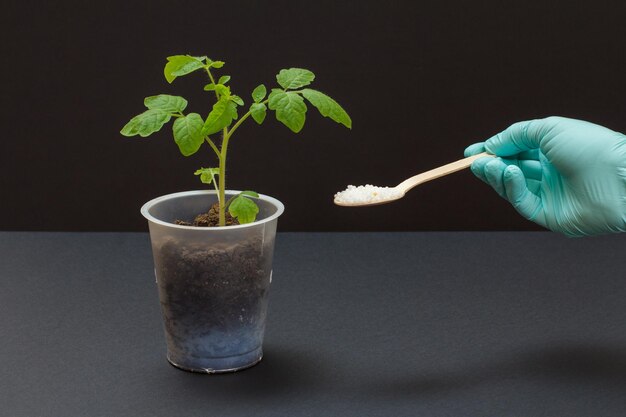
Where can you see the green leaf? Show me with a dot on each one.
(328, 107)
(290, 108)
(222, 115)
(237, 99)
(293, 78)
(258, 112)
(188, 133)
(130, 128)
(250, 193)
(244, 209)
(146, 123)
(178, 65)
(217, 64)
(207, 174)
(166, 102)
(224, 79)
(259, 93)
(222, 90)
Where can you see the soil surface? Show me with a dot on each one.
(209, 219)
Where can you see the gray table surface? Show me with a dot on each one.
(360, 324)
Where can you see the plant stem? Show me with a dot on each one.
(215, 184)
(212, 145)
(208, 71)
(222, 174)
(222, 179)
(221, 155)
(242, 119)
(239, 122)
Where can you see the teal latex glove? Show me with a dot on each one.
(564, 174)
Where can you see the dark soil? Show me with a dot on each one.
(216, 288)
(209, 219)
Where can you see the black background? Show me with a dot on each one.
(421, 80)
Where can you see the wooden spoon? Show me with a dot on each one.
(406, 185)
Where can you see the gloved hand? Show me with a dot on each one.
(564, 174)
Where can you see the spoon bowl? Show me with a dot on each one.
(369, 203)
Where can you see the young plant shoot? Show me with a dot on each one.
(191, 130)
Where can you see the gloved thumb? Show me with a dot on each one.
(526, 203)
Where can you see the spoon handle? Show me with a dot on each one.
(443, 170)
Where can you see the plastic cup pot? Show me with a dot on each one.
(213, 282)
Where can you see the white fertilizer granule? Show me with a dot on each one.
(366, 194)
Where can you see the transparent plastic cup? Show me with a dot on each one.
(213, 281)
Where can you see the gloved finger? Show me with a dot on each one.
(526, 203)
(532, 155)
(534, 186)
(519, 137)
(530, 168)
(478, 168)
(474, 149)
(494, 171)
